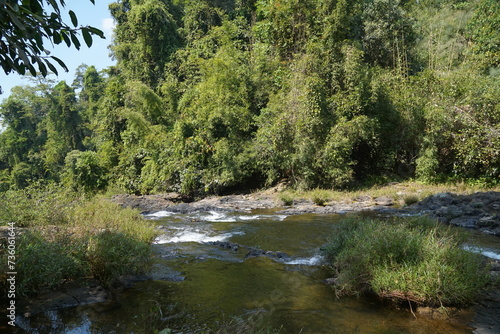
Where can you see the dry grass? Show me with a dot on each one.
(404, 193)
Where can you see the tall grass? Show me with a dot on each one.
(406, 259)
(67, 237)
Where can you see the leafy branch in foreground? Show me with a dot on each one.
(24, 28)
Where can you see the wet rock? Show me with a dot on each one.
(449, 212)
(466, 221)
(255, 252)
(489, 222)
(363, 198)
(226, 245)
(479, 210)
(487, 319)
(69, 295)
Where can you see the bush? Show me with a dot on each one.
(414, 260)
(44, 263)
(36, 205)
(286, 198)
(112, 254)
(320, 197)
(69, 238)
(411, 199)
(83, 170)
(99, 213)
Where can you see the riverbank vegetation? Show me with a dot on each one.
(412, 260)
(211, 96)
(62, 236)
(401, 193)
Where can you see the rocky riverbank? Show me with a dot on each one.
(480, 210)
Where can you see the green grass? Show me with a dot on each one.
(406, 259)
(286, 198)
(320, 196)
(68, 237)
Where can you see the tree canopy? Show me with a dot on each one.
(214, 95)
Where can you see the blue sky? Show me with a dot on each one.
(98, 55)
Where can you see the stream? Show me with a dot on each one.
(205, 282)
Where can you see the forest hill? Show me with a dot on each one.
(209, 96)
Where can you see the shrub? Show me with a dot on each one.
(99, 213)
(44, 263)
(70, 237)
(411, 199)
(286, 198)
(83, 170)
(320, 196)
(413, 260)
(112, 254)
(36, 205)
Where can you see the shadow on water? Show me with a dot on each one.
(202, 288)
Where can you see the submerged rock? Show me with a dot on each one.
(70, 295)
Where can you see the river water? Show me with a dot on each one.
(200, 287)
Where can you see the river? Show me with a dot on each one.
(201, 285)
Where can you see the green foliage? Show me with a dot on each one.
(36, 205)
(46, 263)
(286, 198)
(320, 197)
(84, 171)
(483, 30)
(215, 95)
(25, 26)
(388, 33)
(112, 254)
(98, 214)
(145, 38)
(72, 237)
(413, 260)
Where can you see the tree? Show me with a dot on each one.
(145, 38)
(24, 28)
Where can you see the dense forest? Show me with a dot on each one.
(211, 96)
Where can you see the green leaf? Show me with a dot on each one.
(66, 38)
(32, 70)
(75, 40)
(87, 37)
(42, 67)
(54, 5)
(61, 63)
(74, 20)
(51, 67)
(57, 38)
(96, 31)
(16, 21)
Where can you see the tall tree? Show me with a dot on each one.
(145, 38)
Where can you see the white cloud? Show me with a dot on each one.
(108, 25)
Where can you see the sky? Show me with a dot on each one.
(98, 55)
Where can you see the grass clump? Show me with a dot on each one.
(286, 198)
(73, 238)
(411, 199)
(320, 196)
(414, 260)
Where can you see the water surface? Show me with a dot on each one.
(199, 287)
